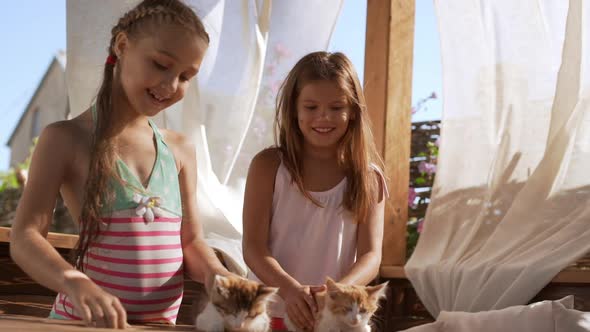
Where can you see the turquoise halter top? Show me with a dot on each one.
(162, 183)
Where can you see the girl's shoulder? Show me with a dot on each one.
(175, 139)
(181, 147)
(264, 166)
(70, 134)
(381, 180)
(260, 183)
(267, 160)
(63, 146)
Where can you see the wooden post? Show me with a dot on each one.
(388, 88)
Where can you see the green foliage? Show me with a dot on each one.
(420, 180)
(9, 179)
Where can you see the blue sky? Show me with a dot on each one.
(33, 31)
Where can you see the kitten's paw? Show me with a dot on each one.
(259, 324)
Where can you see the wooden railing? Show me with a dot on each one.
(19, 295)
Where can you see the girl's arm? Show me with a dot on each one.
(257, 216)
(30, 249)
(28, 246)
(201, 263)
(369, 242)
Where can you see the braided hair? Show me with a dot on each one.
(149, 13)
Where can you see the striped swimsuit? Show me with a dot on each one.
(137, 255)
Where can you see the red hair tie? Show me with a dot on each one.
(111, 60)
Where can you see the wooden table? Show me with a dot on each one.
(33, 324)
(17, 323)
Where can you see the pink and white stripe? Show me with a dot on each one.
(139, 263)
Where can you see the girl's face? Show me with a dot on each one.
(156, 68)
(323, 114)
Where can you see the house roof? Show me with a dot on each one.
(61, 58)
(58, 60)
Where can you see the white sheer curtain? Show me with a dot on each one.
(229, 108)
(510, 206)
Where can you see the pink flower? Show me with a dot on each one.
(412, 197)
(282, 51)
(437, 142)
(426, 167)
(270, 69)
(422, 103)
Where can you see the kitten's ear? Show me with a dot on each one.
(265, 292)
(332, 288)
(209, 284)
(213, 282)
(218, 286)
(331, 285)
(377, 291)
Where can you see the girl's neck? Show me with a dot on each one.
(319, 154)
(320, 158)
(321, 169)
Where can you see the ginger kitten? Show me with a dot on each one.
(345, 307)
(235, 304)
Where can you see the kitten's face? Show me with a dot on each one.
(353, 305)
(240, 302)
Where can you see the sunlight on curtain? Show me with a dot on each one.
(510, 203)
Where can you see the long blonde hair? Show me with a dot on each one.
(137, 22)
(356, 149)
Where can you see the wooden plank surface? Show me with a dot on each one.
(4, 234)
(34, 324)
(572, 277)
(567, 276)
(58, 240)
(388, 88)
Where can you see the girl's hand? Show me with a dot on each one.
(97, 307)
(300, 304)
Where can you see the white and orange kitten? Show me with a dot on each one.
(235, 304)
(345, 308)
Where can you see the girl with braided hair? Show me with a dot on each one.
(130, 185)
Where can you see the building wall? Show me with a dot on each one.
(51, 102)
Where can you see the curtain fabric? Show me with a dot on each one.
(509, 208)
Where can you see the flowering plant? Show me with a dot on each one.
(420, 182)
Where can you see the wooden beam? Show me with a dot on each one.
(567, 276)
(24, 323)
(388, 88)
(58, 240)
